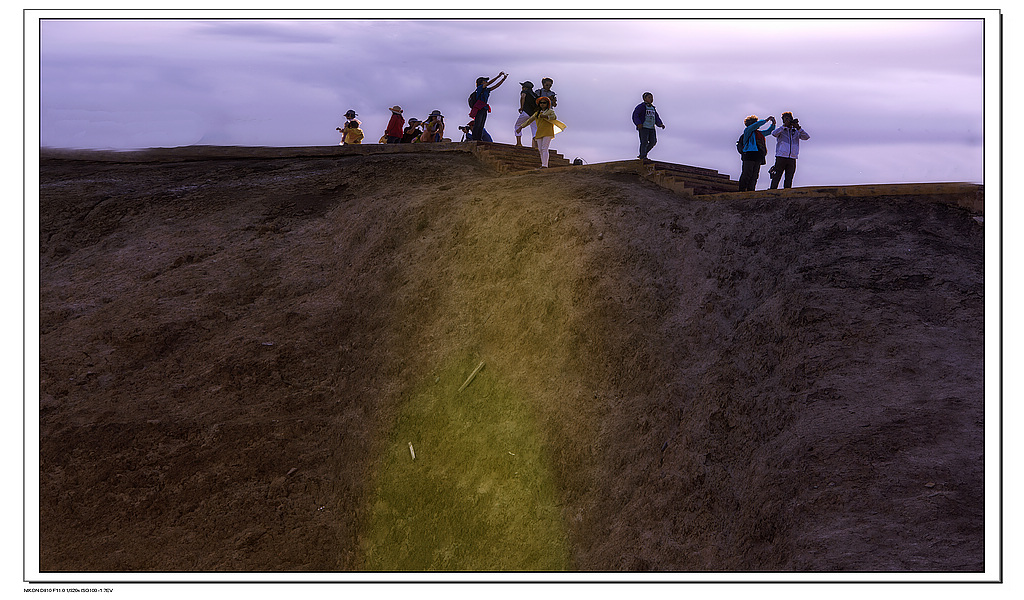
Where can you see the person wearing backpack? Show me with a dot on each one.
(478, 101)
(527, 106)
(753, 150)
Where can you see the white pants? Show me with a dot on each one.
(519, 124)
(542, 145)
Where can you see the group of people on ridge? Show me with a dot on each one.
(753, 149)
(751, 145)
(397, 131)
(536, 109)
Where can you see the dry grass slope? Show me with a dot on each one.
(232, 350)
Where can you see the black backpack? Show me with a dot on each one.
(530, 102)
(472, 99)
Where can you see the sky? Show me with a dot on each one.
(884, 99)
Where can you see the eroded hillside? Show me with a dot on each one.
(239, 360)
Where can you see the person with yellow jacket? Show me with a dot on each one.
(547, 126)
(352, 134)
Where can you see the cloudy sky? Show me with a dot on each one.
(885, 97)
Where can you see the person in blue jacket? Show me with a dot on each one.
(752, 147)
(646, 118)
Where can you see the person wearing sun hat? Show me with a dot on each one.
(396, 126)
(412, 132)
(527, 106)
(547, 126)
(433, 127)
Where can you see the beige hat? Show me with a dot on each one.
(396, 109)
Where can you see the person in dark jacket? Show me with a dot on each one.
(646, 118)
(752, 150)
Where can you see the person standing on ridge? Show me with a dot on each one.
(545, 91)
(752, 150)
(646, 118)
(396, 126)
(787, 147)
(547, 126)
(527, 106)
(479, 107)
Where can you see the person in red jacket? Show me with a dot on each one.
(396, 126)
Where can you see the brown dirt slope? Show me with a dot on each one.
(753, 384)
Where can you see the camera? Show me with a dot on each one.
(464, 129)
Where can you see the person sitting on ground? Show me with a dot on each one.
(395, 126)
(352, 134)
(433, 127)
(350, 115)
(412, 133)
(467, 132)
(547, 126)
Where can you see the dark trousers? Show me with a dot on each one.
(648, 139)
(748, 178)
(478, 123)
(783, 166)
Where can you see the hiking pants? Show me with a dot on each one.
(542, 145)
(478, 123)
(519, 123)
(787, 166)
(748, 178)
(648, 139)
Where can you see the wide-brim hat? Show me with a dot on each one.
(396, 109)
(543, 99)
(351, 112)
(527, 83)
(436, 113)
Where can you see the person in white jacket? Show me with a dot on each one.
(787, 148)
